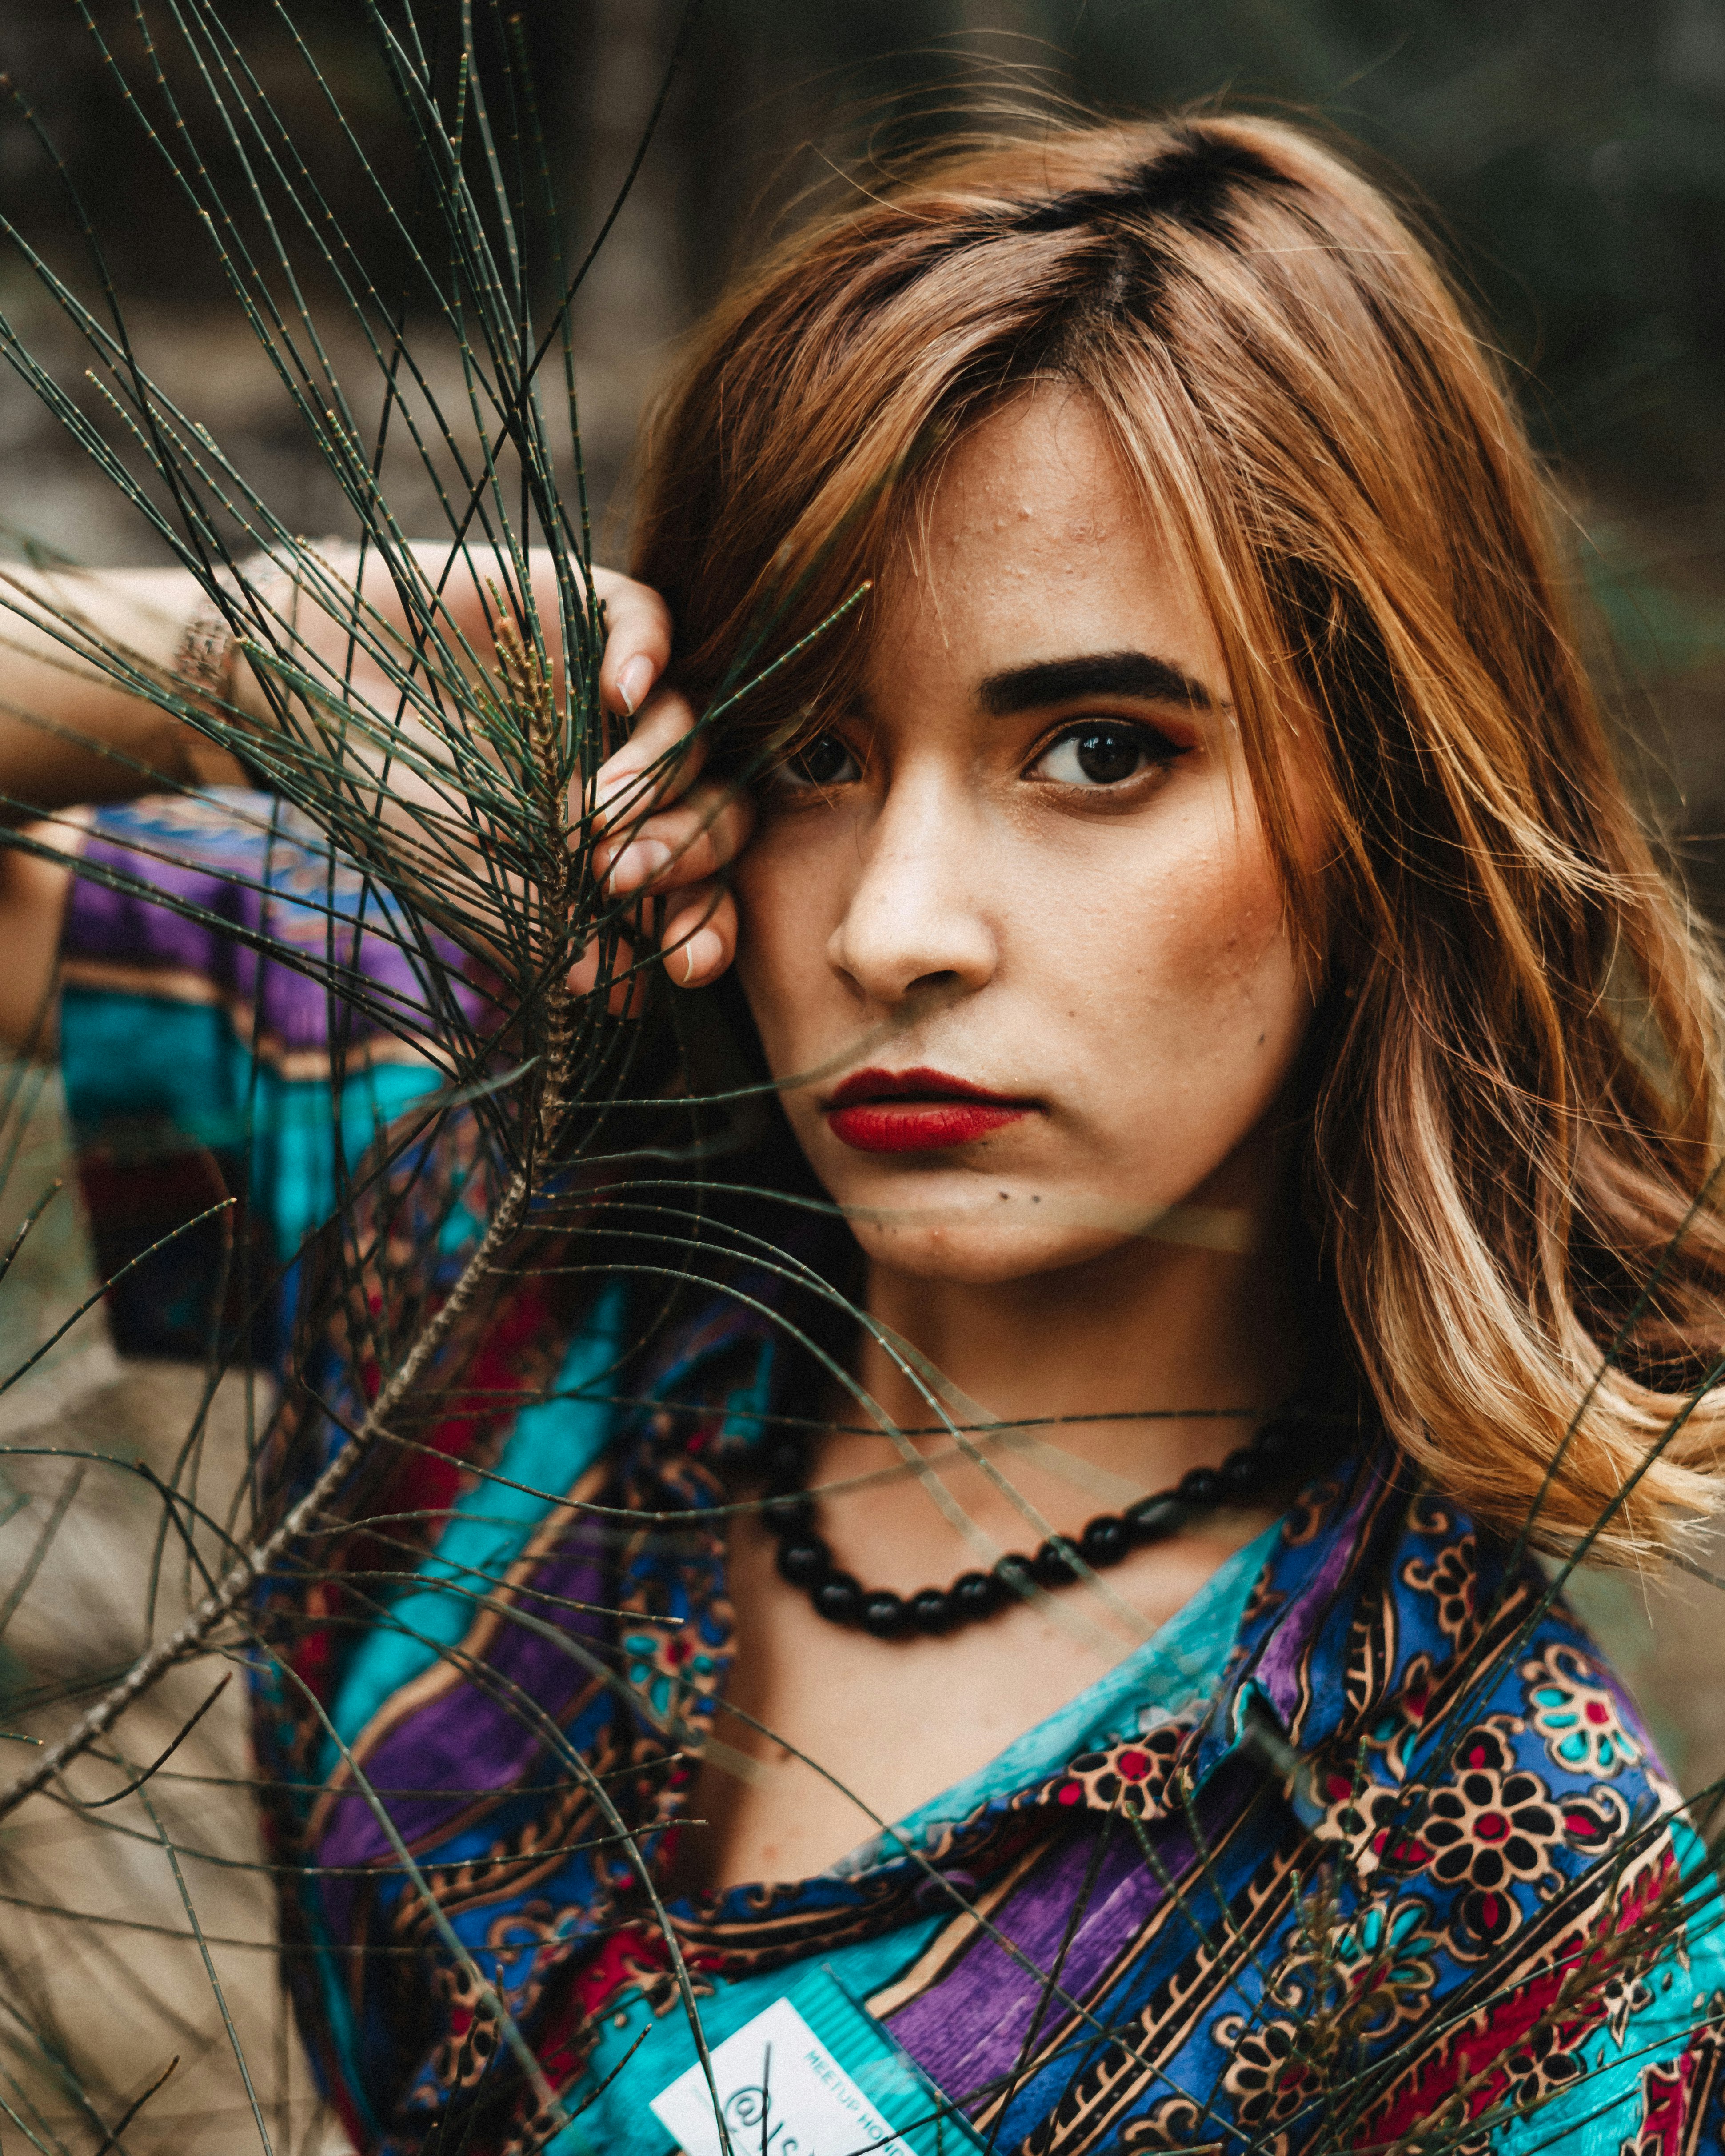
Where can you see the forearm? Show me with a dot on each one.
(70, 735)
(69, 732)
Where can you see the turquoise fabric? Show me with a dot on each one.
(1600, 2114)
(647, 2055)
(1175, 1671)
(549, 1448)
(147, 1065)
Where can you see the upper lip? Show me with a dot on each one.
(920, 1084)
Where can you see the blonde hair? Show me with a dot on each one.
(1513, 1129)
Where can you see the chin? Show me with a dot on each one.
(970, 1243)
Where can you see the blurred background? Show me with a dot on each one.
(1568, 155)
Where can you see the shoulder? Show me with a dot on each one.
(1388, 1618)
(1512, 1864)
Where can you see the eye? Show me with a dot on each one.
(1103, 752)
(826, 760)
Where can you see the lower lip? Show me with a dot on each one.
(919, 1126)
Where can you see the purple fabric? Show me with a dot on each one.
(1290, 1644)
(256, 870)
(475, 1737)
(971, 2030)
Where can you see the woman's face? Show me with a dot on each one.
(1011, 926)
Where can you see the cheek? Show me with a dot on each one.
(1236, 973)
(1227, 954)
(780, 953)
(1227, 935)
(1181, 982)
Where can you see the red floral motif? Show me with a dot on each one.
(1495, 1826)
(1376, 1821)
(1363, 1979)
(1132, 1776)
(1267, 2077)
(1578, 1714)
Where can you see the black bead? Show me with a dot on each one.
(1052, 1566)
(1244, 1473)
(805, 1562)
(1152, 1519)
(1105, 1540)
(790, 1519)
(886, 1614)
(840, 1598)
(1013, 1576)
(931, 1611)
(975, 1596)
(1201, 1486)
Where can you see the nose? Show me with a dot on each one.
(917, 917)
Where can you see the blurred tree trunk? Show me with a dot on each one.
(635, 300)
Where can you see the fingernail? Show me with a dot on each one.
(702, 954)
(609, 793)
(634, 682)
(640, 862)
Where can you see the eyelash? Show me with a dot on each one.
(1152, 743)
(786, 776)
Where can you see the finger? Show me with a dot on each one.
(660, 760)
(626, 988)
(700, 942)
(638, 641)
(683, 846)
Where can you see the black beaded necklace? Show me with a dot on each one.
(1249, 1474)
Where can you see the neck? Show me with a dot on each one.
(1130, 1360)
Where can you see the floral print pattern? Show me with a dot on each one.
(1577, 1712)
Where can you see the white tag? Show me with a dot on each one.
(782, 2093)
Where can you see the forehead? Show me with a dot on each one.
(1029, 545)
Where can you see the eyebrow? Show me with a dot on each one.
(1095, 674)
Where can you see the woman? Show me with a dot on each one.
(1236, 1052)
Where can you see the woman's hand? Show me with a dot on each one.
(665, 837)
(668, 835)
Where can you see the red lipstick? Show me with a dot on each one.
(915, 1111)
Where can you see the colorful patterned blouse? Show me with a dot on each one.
(1360, 1851)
